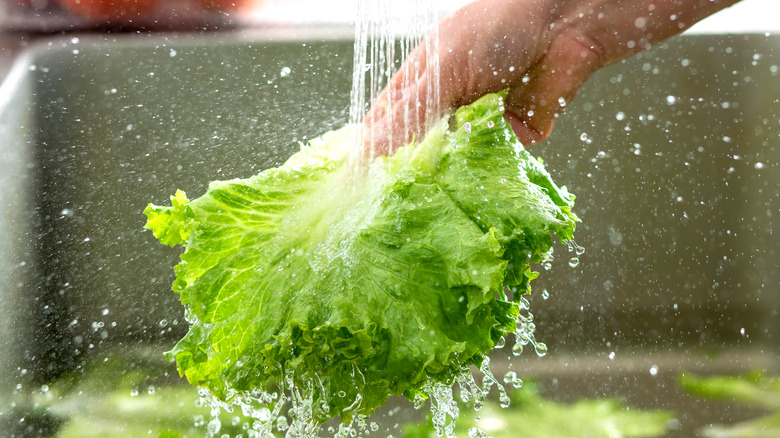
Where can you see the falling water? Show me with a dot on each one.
(386, 33)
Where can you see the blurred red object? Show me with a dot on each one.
(109, 9)
(228, 5)
(47, 16)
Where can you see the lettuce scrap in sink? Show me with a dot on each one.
(360, 284)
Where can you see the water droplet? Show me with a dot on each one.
(474, 432)
(517, 349)
(199, 421)
(512, 379)
(759, 165)
(671, 100)
(523, 303)
(281, 424)
(574, 262)
(213, 427)
(419, 401)
(66, 212)
(285, 72)
(133, 392)
(491, 124)
(173, 53)
(541, 349)
(620, 115)
(501, 342)
(467, 127)
(654, 370)
(545, 294)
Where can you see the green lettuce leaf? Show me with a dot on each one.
(362, 279)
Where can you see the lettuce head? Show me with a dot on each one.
(361, 282)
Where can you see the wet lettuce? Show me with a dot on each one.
(362, 279)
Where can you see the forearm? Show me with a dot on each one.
(619, 28)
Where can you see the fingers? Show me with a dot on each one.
(401, 121)
(533, 105)
(398, 115)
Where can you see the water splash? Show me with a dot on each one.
(444, 409)
(488, 381)
(525, 333)
(548, 259)
(572, 246)
(292, 409)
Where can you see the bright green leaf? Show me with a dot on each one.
(365, 279)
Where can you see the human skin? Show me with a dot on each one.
(542, 50)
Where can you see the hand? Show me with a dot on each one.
(543, 50)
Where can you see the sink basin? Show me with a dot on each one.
(673, 156)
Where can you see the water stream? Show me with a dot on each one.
(386, 33)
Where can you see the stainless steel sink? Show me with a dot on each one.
(673, 155)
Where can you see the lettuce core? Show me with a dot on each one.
(358, 285)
